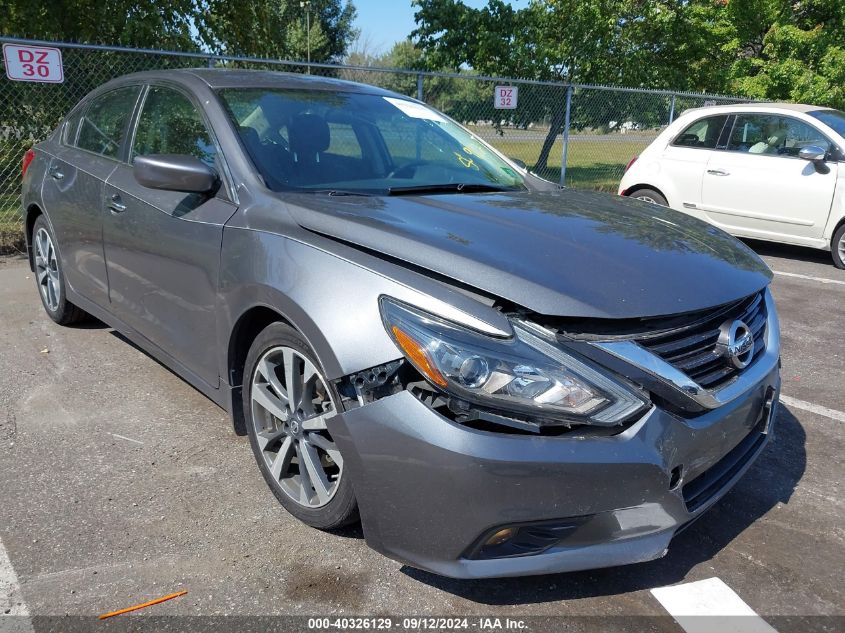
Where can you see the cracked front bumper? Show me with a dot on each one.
(428, 488)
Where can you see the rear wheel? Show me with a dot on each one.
(49, 276)
(837, 247)
(286, 405)
(650, 195)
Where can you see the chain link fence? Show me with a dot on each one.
(581, 136)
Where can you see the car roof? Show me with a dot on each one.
(759, 106)
(238, 78)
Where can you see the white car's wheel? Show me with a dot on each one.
(650, 195)
(837, 247)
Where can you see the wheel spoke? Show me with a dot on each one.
(293, 379)
(269, 402)
(268, 371)
(317, 422)
(281, 462)
(265, 438)
(321, 442)
(311, 461)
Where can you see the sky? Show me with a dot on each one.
(383, 22)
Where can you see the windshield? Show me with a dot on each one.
(312, 140)
(832, 118)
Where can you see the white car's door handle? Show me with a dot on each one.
(718, 172)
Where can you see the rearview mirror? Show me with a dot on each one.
(519, 163)
(812, 153)
(174, 172)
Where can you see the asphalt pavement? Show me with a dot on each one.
(120, 483)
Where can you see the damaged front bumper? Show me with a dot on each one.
(431, 490)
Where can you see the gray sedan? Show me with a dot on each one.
(495, 375)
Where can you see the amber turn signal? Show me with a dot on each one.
(417, 355)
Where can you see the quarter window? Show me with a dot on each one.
(171, 124)
(773, 135)
(703, 134)
(103, 126)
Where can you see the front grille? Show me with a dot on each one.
(693, 348)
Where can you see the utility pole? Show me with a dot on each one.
(306, 4)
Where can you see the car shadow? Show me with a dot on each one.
(771, 480)
(789, 251)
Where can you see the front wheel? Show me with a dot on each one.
(286, 404)
(650, 195)
(837, 247)
(50, 277)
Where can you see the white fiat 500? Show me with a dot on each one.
(772, 171)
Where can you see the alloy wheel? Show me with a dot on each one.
(47, 269)
(840, 247)
(290, 404)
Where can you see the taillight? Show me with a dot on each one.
(631, 162)
(27, 159)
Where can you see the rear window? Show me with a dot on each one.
(703, 134)
(103, 126)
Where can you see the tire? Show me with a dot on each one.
(286, 441)
(650, 195)
(837, 247)
(49, 277)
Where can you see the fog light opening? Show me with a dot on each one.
(676, 476)
(501, 537)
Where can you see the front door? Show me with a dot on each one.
(759, 187)
(163, 247)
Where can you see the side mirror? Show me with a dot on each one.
(812, 153)
(519, 163)
(175, 172)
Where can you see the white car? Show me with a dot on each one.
(773, 171)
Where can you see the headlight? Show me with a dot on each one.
(523, 374)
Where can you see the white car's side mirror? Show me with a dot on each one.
(812, 153)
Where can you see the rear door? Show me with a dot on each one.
(73, 189)
(759, 187)
(163, 247)
(686, 157)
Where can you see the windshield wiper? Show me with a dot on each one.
(458, 187)
(335, 192)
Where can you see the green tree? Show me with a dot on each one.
(277, 29)
(162, 24)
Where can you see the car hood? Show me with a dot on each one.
(566, 253)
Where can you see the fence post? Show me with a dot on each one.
(672, 110)
(420, 87)
(566, 120)
(211, 62)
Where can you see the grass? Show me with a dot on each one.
(592, 162)
(11, 225)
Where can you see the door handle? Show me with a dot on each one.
(116, 206)
(718, 172)
(55, 174)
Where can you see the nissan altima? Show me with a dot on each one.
(496, 376)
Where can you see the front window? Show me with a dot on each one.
(318, 140)
(171, 124)
(773, 135)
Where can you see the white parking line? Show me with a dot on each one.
(709, 605)
(14, 615)
(822, 280)
(833, 414)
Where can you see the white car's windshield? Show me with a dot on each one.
(311, 140)
(832, 118)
